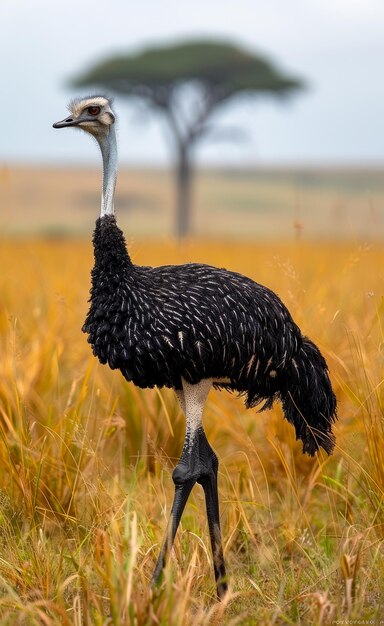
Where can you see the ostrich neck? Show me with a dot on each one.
(108, 149)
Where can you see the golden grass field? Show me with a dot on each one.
(86, 458)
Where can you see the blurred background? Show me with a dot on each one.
(302, 161)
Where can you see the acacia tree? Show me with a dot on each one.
(188, 83)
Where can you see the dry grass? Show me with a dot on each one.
(85, 482)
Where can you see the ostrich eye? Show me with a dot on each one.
(93, 110)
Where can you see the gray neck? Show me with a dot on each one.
(108, 147)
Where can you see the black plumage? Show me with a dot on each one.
(188, 327)
(158, 325)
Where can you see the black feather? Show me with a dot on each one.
(159, 325)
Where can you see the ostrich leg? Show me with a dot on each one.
(198, 463)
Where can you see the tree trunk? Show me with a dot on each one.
(183, 197)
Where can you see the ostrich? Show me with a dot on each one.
(190, 327)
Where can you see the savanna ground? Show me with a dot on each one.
(86, 459)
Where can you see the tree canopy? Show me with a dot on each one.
(226, 68)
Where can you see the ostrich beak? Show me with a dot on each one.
(69, 121)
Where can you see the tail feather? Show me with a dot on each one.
(308, 399)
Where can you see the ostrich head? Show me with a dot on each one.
(93, 114)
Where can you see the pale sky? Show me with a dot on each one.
(337, 45)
